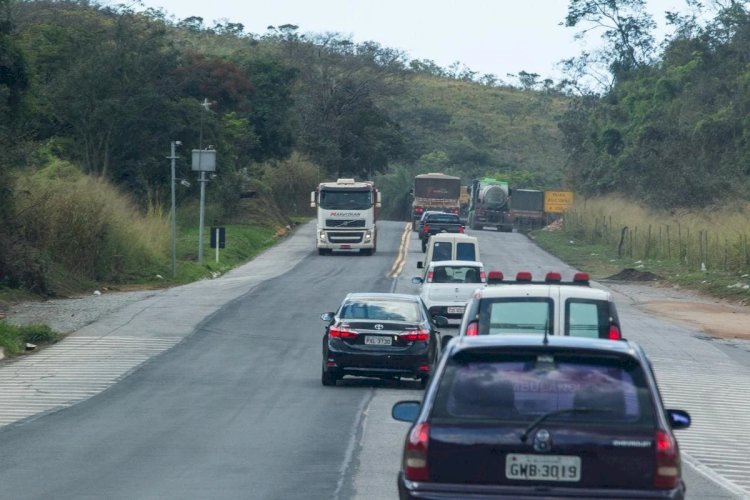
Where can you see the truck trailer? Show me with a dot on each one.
(489, 205)
(435, 191)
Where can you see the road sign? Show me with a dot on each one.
(557, 202)
(218, 234)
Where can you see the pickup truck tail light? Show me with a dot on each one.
(425, 229)
(461, 229)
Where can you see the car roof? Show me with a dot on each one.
(452, 236)
(510, 342)
(543, 290)
(403, 297)
(474, 263)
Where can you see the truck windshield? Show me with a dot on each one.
(349, 199)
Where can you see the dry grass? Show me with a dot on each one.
(87, 226)
(717, 238)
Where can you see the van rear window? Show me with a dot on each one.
(466, 251)
(442, 250)
(516, 315)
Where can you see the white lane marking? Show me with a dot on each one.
(71, 371)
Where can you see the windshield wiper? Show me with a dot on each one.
(545, 416)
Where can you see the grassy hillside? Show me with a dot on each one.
(472, 130)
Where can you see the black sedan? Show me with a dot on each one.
(522, 417)
(383, 335)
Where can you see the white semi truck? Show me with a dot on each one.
(347, 211)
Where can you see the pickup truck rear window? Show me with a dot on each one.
(442, 218)
(523, 387)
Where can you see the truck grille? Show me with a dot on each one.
(345, 223)
(349, 237)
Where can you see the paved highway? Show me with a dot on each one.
(228, 402)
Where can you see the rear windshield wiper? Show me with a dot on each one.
(545, 416)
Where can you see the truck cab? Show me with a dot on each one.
(346, 215)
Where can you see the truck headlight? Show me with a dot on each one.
(322, 236)
(368, 235)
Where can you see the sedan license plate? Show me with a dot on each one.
(543, 467)
(455, 310)
(370, 340)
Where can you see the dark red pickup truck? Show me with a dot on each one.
(438, 222)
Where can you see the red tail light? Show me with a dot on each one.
(667, 462)
(523, 276)
(416, 336)
(430, 274)
(472, 330)
(482, 276)
(461, 229)
(342, 332)
(614, 332)
(415, 453)
(425, 228)
(454, 210)
(418, 210)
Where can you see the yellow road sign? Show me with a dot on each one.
(558, 201)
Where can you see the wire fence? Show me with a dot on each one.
(694, 247)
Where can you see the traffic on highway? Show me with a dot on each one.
(241, 399)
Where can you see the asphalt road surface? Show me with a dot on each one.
(232, 407)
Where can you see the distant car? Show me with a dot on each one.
(383, 335)
(541, 417)
(433, 223)
(426, 213)
(552, 306)
(448, 285)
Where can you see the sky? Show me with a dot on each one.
(488, 36)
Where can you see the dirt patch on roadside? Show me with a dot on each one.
(721, 320)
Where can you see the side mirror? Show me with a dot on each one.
(440, 321)
(327, 316)
(406, 411)
(417, 280)
(679, 419)
(420, 265)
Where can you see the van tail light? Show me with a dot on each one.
(482, 276)
(430, 275)
(420, 335)
(472, 330)
(415, 453)
(667, 461)
(342, 332)
(614, 332)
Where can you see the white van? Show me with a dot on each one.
(450, 246)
